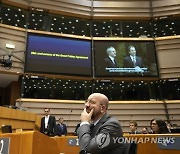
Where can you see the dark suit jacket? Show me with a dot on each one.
(133, 145)
(109, 63)
(61, 130)
(75, 131)
(128, 63)
(100, 140)
(51, 130)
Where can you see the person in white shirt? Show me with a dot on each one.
(48, 124)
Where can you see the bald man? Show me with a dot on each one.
(101, 136)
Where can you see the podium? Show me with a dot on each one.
(30, 142)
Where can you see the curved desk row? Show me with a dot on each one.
(33, 142)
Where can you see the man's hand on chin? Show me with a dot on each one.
(85, 116)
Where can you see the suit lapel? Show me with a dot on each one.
(115, 63)
(130, 61)
(99, 124)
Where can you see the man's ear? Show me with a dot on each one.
(103, 107)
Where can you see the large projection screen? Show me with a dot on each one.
(144, 65)
(58, 55)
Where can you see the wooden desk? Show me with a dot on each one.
(65, 147)
(19, 119)
(31, 142)
(150, 147)
(143, 148)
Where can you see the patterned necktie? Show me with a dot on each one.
(114, 61)
(91, 130)
(92, 127)
(134, 61)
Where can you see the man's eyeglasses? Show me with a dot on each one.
(153, 124)
(90, 101)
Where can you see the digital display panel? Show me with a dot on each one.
(125, 58)
(58, 55)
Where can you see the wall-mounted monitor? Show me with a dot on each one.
(58, 55)
(125, 58)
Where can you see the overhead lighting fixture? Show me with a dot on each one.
(10, 46)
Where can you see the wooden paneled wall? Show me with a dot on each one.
(121, 9)
(124, 111)
(19, 119)
(168, 52)
(165, 7)
(17, 37)
(100, 9)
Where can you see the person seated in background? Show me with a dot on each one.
(158, 126)
(169, 126)
(61, 127)
(145, 130)
(133, 127)
(48, 124)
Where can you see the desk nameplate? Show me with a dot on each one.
(4, 145)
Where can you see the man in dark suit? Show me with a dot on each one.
(75, 131)
(61, 127)
(133, 130)
(132, 61)
(101, 136)
(48, 123)
(110, 61)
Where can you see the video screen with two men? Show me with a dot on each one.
(125, 58)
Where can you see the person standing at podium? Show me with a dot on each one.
(100, 136)
(48, 124)
(132, 60)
